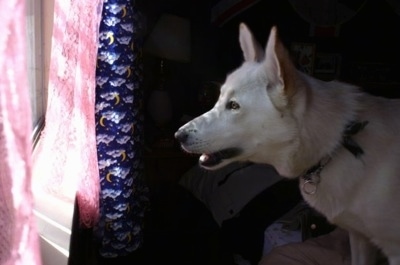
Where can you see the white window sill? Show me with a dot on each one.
(54, 222)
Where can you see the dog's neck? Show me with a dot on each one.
(312, 177)
(322, 130)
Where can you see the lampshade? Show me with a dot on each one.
(170, 39)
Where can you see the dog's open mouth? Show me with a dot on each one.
(211, 160)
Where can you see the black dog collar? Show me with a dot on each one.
(313, 175)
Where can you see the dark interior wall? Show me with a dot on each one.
(372, 34)
(369, 37)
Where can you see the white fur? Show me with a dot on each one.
(291, 121)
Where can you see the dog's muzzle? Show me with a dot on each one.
(181, 135)
(208, 160)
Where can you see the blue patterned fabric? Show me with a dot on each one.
(119, 129)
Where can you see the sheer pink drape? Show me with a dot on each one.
(66, 157)
(18, 234)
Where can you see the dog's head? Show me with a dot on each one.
(252, 120)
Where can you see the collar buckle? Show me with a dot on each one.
(313, 176)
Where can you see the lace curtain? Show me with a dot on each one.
(18, 234)
(65, 161)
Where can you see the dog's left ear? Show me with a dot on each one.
(252, 50)
(280, 70)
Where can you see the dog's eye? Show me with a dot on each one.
(232, 105)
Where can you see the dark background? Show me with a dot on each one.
(368, 45)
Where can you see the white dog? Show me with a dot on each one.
(343, 144)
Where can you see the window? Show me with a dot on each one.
(53, 215)
(35, 63)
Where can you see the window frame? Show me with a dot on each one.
(53, 215)
(35, 62)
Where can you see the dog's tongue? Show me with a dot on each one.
(209, 160)
(204, 158)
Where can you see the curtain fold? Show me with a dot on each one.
(65, 161)
(18, 234)
(119, 129)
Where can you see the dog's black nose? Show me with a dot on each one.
(181, 136)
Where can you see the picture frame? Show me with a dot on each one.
(303, 54)
(327, 63)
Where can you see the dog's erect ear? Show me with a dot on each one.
(252, 50)
(280, 71)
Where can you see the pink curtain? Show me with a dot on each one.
(18, 234)
(66, 157)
